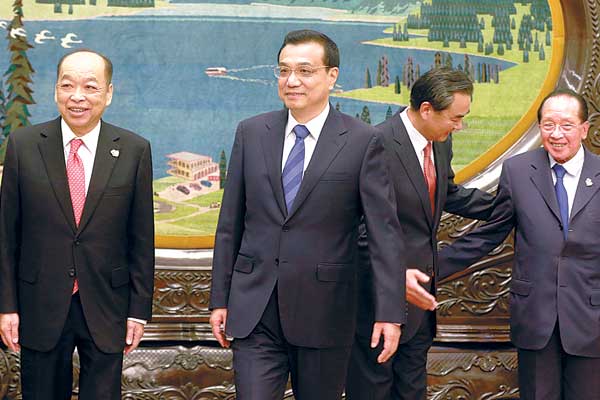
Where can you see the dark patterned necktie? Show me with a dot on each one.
(562, 197)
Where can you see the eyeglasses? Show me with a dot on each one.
(550, 127)
(303, 71)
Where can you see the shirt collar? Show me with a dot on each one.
(90, 139)
(574, 165)
(416, 138)
(314, 126)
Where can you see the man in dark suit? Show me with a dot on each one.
(419, 152)
(285, 260)
(550, 196)
(77, 240)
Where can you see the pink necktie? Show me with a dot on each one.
(76, 177)
(429, 172)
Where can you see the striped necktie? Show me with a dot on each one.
(294, 167)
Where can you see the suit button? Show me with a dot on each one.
(286, 228)
(277, 261)
(77, 243)
(72, 272)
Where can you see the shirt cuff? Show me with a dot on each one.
(141, 321)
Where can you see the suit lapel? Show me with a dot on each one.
(541, 177)
(441, 175)
(52, 151)
(407, 157)
(272, 145)
(589, 183)
(331, 140)
(104, 163)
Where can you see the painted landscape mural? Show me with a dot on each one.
(187, 71)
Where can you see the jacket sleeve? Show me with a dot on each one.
(141, 240)
(230, 227)
(10, 229)
(478, 243)
(384, 236)
(469, 203)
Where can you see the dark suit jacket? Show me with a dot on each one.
(309, 252)
(41, 249)
(419, 226)
(551, 278)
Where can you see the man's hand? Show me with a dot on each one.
(9, 330)
(415, 293)
(391, 338)
(218, 322)
(135, 331)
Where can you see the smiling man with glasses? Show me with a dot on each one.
(551, 197)
(284, 280)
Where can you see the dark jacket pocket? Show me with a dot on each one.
(244, 264)
(335, 177)
(336, 272)
(520, 287)
(117, 191)
(28, 273)
(595, 299)
(119, 277)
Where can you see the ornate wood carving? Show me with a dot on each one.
(10, 375)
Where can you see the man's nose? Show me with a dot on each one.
(77, 94)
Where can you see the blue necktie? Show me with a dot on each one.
(294, 167)
(561, 196)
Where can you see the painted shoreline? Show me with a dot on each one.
(164, 8)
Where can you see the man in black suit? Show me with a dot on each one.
(285, 261)
(551, 197)
(77, 248)
(419, 152)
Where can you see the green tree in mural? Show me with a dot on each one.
(337, 106)
(365, 115)
(378, 77)
(18, 93)
(397, 87)
(222, 169)
(2, 105)
(389, 113)
(368, 83)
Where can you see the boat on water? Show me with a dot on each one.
(215, 71)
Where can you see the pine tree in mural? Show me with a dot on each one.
(368, 83)
(366, 115)
(388, 113)
(2, 105)
(397, 87)
(222, 169)
(18, 79)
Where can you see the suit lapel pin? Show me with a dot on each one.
(588, 182)
(114, 153)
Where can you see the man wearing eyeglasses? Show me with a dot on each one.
(285, 262)
(551, 196)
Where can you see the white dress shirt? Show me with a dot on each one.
(314, 126)
(417, 139)
(87, 154)
(571, 178)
